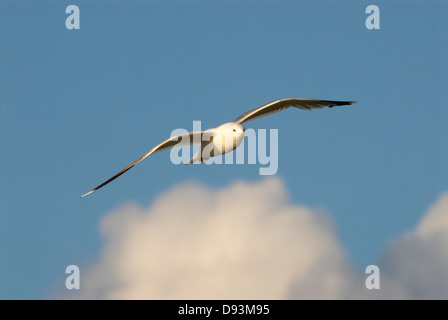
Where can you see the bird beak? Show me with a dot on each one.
(245, 134)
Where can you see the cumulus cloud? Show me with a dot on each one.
(248, 241)
(417, 262)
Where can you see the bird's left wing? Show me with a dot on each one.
(279, 105)
(188, 138)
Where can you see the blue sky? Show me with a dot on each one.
(78, 105)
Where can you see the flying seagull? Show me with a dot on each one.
(213, 142)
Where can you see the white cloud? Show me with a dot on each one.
(417, 262)
(436, 220)
(248, 241)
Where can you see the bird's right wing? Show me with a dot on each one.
(279, 105)
(188, 138)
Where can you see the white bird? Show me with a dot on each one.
(213, 142)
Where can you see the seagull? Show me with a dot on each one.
(213, 142)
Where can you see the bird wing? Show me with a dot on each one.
(189, 138)
(280, 105)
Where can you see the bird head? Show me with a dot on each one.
(234, 128)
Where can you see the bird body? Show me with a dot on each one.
(228, 136)
(220, 140)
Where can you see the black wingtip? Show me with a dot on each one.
(342, 103)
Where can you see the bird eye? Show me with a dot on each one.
(234, 130)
